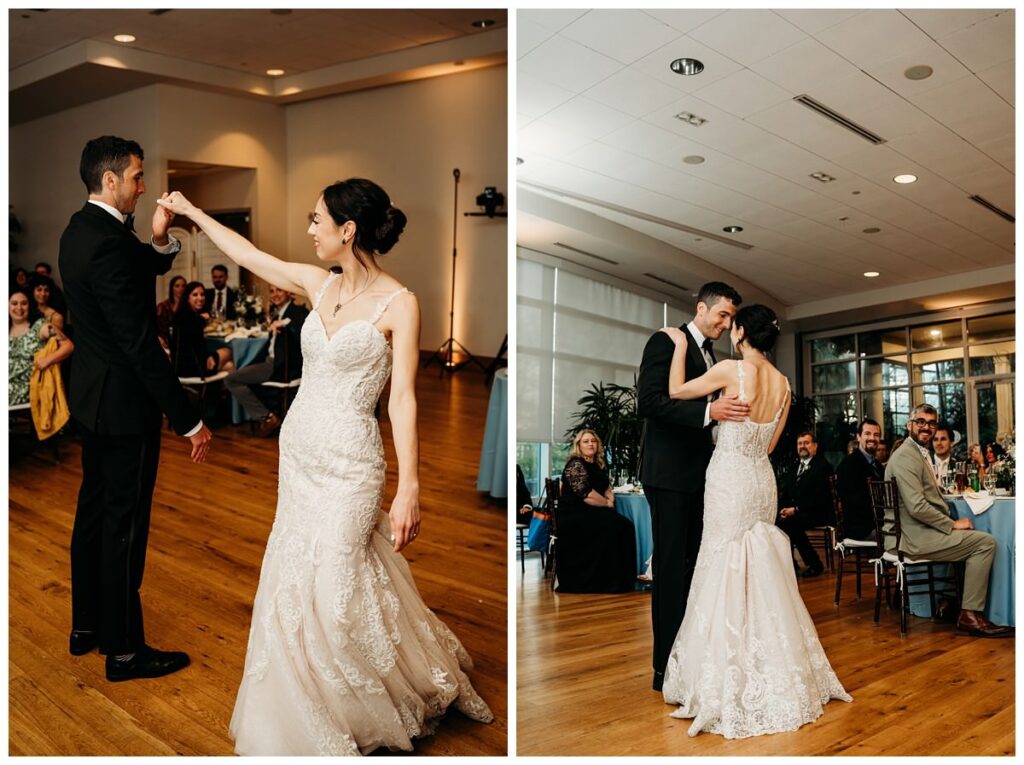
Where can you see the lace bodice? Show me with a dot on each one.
(347, 370)
(750, 439)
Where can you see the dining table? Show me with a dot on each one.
(633, 505)
(492, 475)
(244, 350)
(999, 520)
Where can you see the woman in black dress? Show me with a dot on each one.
(596, 545)
(188, 345)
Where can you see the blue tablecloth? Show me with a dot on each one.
(493, 475)
(636, 508)
(1000, 521)
(244, 350)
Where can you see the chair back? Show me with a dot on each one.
(837, 508)
(885, 502)
(552, 493)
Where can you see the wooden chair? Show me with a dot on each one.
(863, 550)
(907, 575)
(823, 538)
(552, 493)
(522, 532)
(286, 389)
(18, 411)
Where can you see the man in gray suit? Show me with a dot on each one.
(929, 531)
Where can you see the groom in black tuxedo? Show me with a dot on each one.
(675, 452)
(121, 383)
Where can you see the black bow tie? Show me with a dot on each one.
(706, 345)
(129, 222)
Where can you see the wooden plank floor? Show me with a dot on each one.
(209, 528)
(584, 682)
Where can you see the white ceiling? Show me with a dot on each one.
(63, 57)
(597, 130)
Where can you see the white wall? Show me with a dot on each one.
(408, 138)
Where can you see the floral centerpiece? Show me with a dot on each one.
(1005, 469)
(248, 308)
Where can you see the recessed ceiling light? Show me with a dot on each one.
(872, 230)
(686, 66)
(732, 229)
(693, 119)
(275, 72)
(823, 177)
(483, 23)
(693, 159)
(919, 72)
(905, 178)
(125, 38)
(871, 274)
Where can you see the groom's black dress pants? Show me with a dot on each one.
(677, 521)
(108, 543)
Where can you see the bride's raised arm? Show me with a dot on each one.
(301, 278)
(715, 379)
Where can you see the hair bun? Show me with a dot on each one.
(387, 233)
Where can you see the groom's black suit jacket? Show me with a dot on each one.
(121, 380)
(676, 447)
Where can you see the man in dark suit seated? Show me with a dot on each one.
(852, 478)
(220, 298)
(805, 501)
(281, 361)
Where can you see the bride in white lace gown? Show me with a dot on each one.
(747, 659)
(344, 657)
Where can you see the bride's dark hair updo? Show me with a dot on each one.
(760, 326)
(378, 224)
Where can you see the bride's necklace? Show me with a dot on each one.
(339, 305)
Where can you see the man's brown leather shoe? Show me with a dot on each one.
(269, 426)
(973, 623)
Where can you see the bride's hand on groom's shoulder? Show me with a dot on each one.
(677, 335)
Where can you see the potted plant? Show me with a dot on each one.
(610, 411)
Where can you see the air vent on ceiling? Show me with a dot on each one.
(668, 282)
(985, 203)
(839, 119)
(588, 254)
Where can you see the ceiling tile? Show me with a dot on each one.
(535, 97)
(1001, 79)
(529, 35)
(550, 19)
(942, 22)
(540, 137)
(874, 36)
(568, 64)
(970, 109)
(684, 20)
(747, 36)
(626, 36)
(813, 21)
(743, 93)
(586, 117)
(633, 92)
(985, 44)
(946, 70)
(803, 66)
(647, 140)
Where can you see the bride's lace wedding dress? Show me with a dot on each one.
(747, 659)
(343, 656)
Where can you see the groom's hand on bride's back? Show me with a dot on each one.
(729, 408)
(201, 444)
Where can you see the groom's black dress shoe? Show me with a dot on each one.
(82, 642)
(811, 572)
(659, 680)
(147, 662)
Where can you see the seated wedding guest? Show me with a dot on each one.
(993, 453)
(805, 501)
(19, 279)
(942, 446)
(976, 457)
(28, 332)
(188, 349)
(929, 532)
(280, 361)
(524, 500)
(882, 452)
(596, 545)
(44, 294)
(852, 478)
(166, 309)
(44, 269)
(220, 298)
(852, 445)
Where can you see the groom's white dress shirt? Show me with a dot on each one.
(699, 339)
(173, 245)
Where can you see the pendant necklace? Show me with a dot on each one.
(339, 305)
